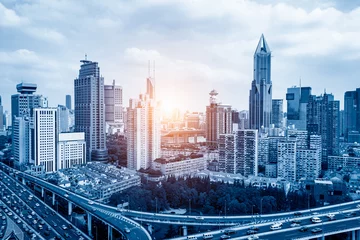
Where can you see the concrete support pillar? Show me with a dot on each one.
(184, 230)
(321, 238)
(53, 199)
(69, 208)
(353, 235)
(42, 192)
(110, 234)
(23, 181)
(89, 219)
(358, 235)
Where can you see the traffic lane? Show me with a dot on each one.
(32, 204)
(72, 233)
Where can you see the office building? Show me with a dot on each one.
(90, 110)
(1, 116)
(277, 114)
(6, 120)
(64, 119)
(68, 102)
(286, 159)
(21, 142)
(243, 119)
(218, 120)
(263, 150)
(308, 160)
(227, 153)
(113, 103)
(260, 100)
(342, 123)
(45, 132)
(71, 149)
(323, 113)
(143, 129)
(297, 99)
(351, 111)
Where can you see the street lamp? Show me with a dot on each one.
(156, 205)
(261, 206)
(225, 207)
(219, 219)
(128, 202)
(189, 206)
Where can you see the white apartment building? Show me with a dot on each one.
(71, 149)
(143, 130)
(286, 165)
(46, 127)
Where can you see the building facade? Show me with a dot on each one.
(143, 129)
(218, 120)
(286, 162)
(46, 131)
(297, 99)
(21, 142)
(179, 168)
(71, 149)
(113, 103)
(68, 102)
(90, 110)
(351, 111)
(277, 114)
(260, 100)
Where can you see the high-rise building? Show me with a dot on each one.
(71, 149)
(194, 120)
(263, 150)
(351, 111)
(113, 103)
(64, 120)
(6, 120)
(90, 110)
(323, 118)
(277, 114)
(143, 129)
(261, 88)
(286, 165)
(1, 116)
(21, 142)
(243, 119)
(238, 152)
(68, 101)
(297, 100)
(218, 120)
(45, 132)
(342, 123)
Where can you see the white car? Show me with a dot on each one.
(294, 225)
(330, 215)
(38, 205)
(90, 202)
(253, 237)
(358, 206)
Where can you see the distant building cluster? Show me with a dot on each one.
(95, 180)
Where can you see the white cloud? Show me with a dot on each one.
(9, 18)
(49, 35)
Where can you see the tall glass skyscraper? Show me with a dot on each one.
(260, 100)
(297, 101)
(90, 110)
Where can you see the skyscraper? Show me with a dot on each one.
(277, 113)
(143, 129)
(113, 103)
(1, 116)
(244, 119)
(323, 118)
(286, 165)
(46, 132)
(90, 110)
(297, 100)
(261, 88)
(218, 120)
(21, 142)
(68, 101)
(351, 111)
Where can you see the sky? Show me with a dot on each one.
(197, 46)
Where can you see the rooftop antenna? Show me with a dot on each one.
(148, 68)
(300, 81)
(85, 56)
(154, 69)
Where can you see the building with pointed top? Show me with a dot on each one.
(260, 99)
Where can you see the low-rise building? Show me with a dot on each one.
(345, 163)
(180, 165)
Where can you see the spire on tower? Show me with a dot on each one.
(262, 46)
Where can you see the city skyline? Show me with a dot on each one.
(212, 47)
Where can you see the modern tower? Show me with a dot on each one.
(277, 113)
(351, 111)
(297, 100)
(260, 103)
(218, 120)
(68, 101)
(90, 110)
(113, 103)
(323, 118)
(143, 129)
(1, 116)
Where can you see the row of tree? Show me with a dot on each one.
(199, 195)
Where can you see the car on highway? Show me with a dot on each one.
(303, 229)
(229, 231)
(276, 226)
(295, 225)
(253, 237)
(297, 213)
(64, 227)
(316, 230)
(358, 206)
(199, 218)
(127, 230)
(90, 202)
(251, 232)
(316, 220)
(38, 205)
(315, 213)
(225, 237)
(65, 195)
(296, 221)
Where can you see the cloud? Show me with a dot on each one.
(9, 18)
